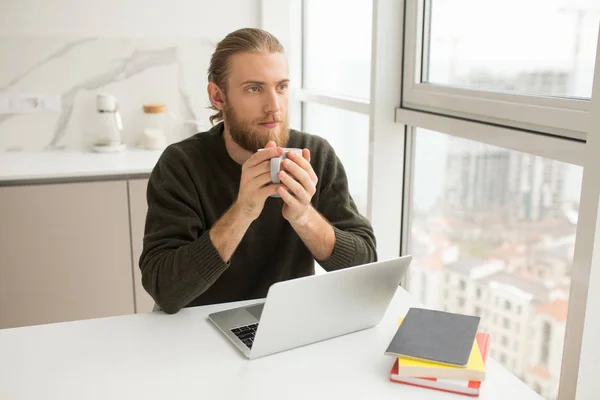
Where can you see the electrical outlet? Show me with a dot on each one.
(26, 104)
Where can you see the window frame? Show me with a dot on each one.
(387, 141)
(573, 152)
(566, 143)
(563, 117)
(303, 96)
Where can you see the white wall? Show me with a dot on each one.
(127, 18)
(142, 52)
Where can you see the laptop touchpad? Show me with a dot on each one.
(256, 310)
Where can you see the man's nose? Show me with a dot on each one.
(272, 102)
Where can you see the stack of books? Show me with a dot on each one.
(439, 350)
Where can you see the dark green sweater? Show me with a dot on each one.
(194, 182)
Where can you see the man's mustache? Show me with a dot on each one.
(273, 119)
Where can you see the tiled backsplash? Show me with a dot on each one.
(135, 70)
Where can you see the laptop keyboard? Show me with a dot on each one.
(246, 334)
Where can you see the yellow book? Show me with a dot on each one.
(474, 371)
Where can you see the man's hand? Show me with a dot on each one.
(255, 187)
(299, 180)
(255, 184)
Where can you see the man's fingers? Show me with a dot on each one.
(263, 155)
(259, 169)
(288, 198)
(301, 175)
(306, 154)
(304, 163)
(269, 190)
(299, 191)
(262, 179)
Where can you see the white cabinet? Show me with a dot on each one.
(138, 208)
(65, 253)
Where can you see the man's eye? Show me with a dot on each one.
(253, 89)
(283, 87)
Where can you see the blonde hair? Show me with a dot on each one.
(250, 40)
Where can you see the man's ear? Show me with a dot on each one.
(216, 96)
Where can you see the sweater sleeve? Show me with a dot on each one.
(178, 261)
(355, 242)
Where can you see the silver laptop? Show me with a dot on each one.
(306, 310)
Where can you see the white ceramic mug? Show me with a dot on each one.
(276, 163)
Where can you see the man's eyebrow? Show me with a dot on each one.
(252, 82)
(263, 83)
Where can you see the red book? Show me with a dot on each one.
(468, 388)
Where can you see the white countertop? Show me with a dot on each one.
(183, 356)
(74, 164)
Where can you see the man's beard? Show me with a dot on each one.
(247, 134)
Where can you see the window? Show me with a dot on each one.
(503, 359)
(348, 133)
(460, 106)
(489, 194)
(335, 75)
(554, 59)
(473, 183)
(337, 56)
(462, 285)
(537, 73)
(477, 310)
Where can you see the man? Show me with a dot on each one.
(214, 232)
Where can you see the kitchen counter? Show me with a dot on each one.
(74, 165)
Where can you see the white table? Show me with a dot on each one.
(182, 356)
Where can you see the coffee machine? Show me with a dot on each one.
(109, 133)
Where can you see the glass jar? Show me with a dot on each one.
(157, 126)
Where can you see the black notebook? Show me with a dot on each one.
(436, 336)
